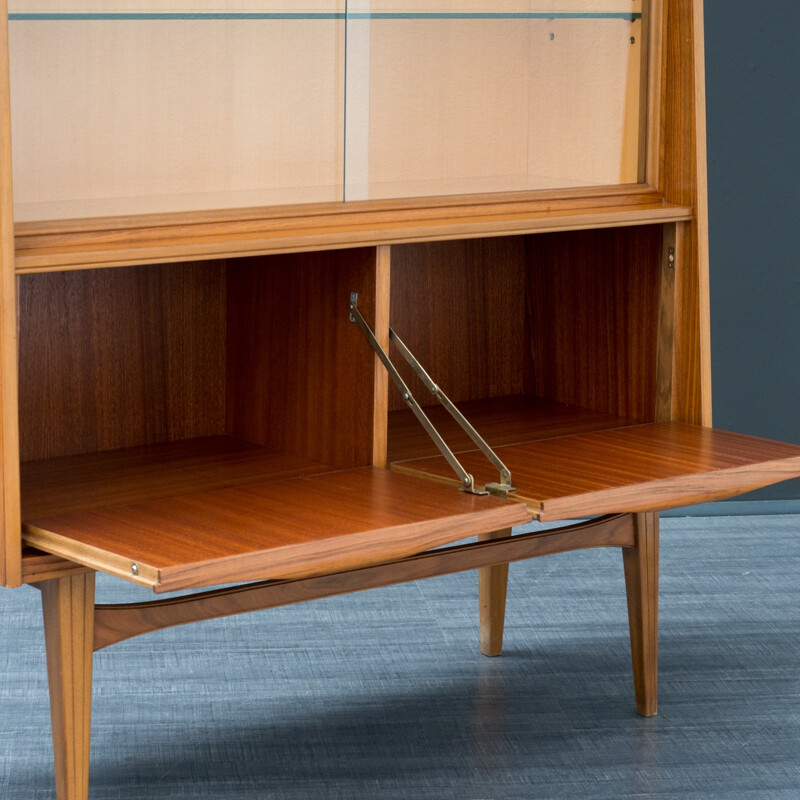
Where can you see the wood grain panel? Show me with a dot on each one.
(301, 376)
(115, 623)
(157, 238)
(460, 308)
(149, 472)
(593, 299)
(380, 432)
(499, 420)
(38, 566)
(119, 358)
(640, 468)
(284, 529)
(683, 180)
(10, 570)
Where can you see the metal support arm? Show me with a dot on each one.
(503, 487)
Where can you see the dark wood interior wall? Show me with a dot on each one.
(120, 357)
(593, 305)
(460, 307)
(300, 374)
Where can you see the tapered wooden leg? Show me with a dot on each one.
(493, 584)
(641, 584)
(68, 605)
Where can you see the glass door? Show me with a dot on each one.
(143, 106)
(463, 96)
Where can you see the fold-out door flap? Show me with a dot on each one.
(263, 530)
(638, 468)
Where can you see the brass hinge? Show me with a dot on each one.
(500, 488)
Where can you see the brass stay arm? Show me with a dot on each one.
(503, 487)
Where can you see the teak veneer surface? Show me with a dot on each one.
(284, 529)
(644, 467)
(499, 420)
(151, 472)
(147, 239)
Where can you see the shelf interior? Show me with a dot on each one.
(151, 472)
(499, 420)
(649, 466)
(269, 529)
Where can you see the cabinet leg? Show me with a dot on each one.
(641, 584)
(68, 606)
(493, 584)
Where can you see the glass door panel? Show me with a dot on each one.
(463, 96)
(134, 106)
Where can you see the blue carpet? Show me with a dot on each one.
(384, 695)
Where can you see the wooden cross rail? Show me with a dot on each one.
(115, 623)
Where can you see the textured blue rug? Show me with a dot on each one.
(384, 695)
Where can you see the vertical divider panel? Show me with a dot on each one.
(10, 542)
(380, 432)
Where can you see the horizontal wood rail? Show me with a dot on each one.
(159, 238)
(115, 623)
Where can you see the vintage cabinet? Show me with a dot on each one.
(190, 199)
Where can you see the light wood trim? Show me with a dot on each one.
(285, 529)
(701, 213)
(654, 52)
(437, 207)
(68, 607)
(38, 566)
(95, 558)
(115, 623)
(641, 583)
(155, 240)
(380, 416)
(10, 566)
(492, 590)
(643, 467)
(682, 178)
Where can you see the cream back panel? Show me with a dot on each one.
(127, 106)
(472, 97)
(118, 116)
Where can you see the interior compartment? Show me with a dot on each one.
(557, 348)
(146, 381)
(532, 337)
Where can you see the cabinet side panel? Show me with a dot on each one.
(300, 375)
(119, 358)
(10, 545)
(683, 179)
(460, 307)
(593, 312)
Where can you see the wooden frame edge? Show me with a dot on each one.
(115, 623)
(10, 534)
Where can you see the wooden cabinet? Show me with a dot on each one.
(517, 192)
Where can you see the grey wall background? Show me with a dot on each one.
(753, 108)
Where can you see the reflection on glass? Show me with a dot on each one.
(466, 96)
